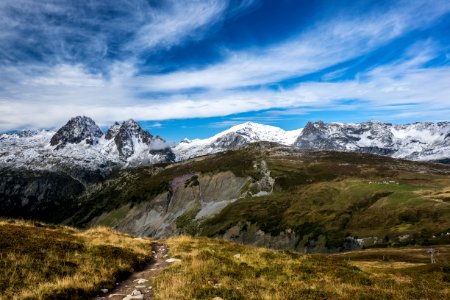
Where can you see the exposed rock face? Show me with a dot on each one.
(321, 136)
(418, 141)
(230, 141)
(80, 144)
(123, 135)
(78, 129)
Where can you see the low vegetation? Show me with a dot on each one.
(39, 261)
(215, 268)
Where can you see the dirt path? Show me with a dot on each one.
(139, 284)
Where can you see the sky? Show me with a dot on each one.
(194, 68)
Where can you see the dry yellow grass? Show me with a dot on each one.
(41, 261)
(211, 268)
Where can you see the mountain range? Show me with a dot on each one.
(324, 187)
(81, 144)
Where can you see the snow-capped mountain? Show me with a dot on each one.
(78, 129)
(418, 141)
(233, 138)
(81, 144)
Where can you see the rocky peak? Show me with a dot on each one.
(112, 131)
(129, 128)
(313, 128)
(125, 136)
(76, 130)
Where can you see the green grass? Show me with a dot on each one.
(186, 222)
(113, 216)
(39, 261)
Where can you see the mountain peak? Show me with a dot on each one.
(126, 135)
(76, 130)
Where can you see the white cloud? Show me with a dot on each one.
(34, 95)
(399, 84)
(181, 20)
(326, 45)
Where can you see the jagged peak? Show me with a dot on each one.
(131, 122)
(77, 129)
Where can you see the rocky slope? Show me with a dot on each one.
(43, 171)
(81, 144)
(77, 130)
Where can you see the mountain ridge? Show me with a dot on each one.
(80, 143)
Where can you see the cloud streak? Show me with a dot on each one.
(50, 77)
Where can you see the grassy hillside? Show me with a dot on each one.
(39, 261)
(214, 268)
(319, 199)
(134, 186)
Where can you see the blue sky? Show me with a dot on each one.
(193, 68)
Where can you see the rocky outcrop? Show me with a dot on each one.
(123, 135)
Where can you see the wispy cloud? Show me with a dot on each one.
(94, 33)
(178, 21)
(327, 44)
(48, 77)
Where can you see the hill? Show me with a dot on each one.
(280, 197)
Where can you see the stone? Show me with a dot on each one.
(140, 280)
(135, 295)
(237, 255)
(172, 260)
(104, 291)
